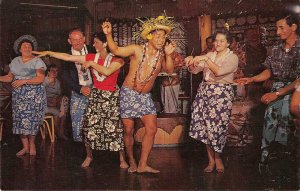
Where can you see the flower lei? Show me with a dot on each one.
(153, 64)
(107, 62)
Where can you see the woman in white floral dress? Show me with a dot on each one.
(27, 74)
(212, 105)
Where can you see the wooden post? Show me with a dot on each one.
(204, 29)
(88, 29)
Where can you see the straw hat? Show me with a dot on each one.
(162, 22)
(22, 38)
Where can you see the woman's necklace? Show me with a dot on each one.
(152, 63)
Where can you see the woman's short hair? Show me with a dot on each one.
(25, 38)
(226, 33)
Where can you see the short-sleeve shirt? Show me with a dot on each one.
(284, 65)
(109, 83)
(26, 70)
(52, 90)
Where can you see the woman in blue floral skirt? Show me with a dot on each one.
(212, 105)
(27, 74)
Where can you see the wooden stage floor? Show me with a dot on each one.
(57, 167)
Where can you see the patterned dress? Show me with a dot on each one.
(28, 101)
(211, 114)
(102, 127)
(211, 108)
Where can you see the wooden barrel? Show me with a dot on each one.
(172, 130)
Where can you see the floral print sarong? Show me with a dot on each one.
(102, 125)
(211, 113)
(28, 106)
(78, 107)
(278, 119)
(134, 104)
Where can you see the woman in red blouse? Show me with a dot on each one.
(102, 127)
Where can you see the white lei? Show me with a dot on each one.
(106, 64)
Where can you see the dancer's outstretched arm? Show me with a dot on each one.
(62, 56)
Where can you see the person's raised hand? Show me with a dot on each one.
(106, 27)
(170, 47)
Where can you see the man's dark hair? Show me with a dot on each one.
(290, 18)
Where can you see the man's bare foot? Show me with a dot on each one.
(86, 162)
(32, 150)
(123, 164)
(219, 166)
(210, 168)
(132, 168)
(22, 152)
(147, 169)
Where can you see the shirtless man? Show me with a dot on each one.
(146, 62)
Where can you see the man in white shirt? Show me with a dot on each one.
(78, 82)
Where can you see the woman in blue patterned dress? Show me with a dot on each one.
(212, 105)
(28, 96)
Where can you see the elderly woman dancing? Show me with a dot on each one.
(27, 74)
(213, 102)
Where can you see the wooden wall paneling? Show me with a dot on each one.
(88, 29)
(49, 25)
(205, 29)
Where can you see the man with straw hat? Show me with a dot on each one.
(146, 62)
